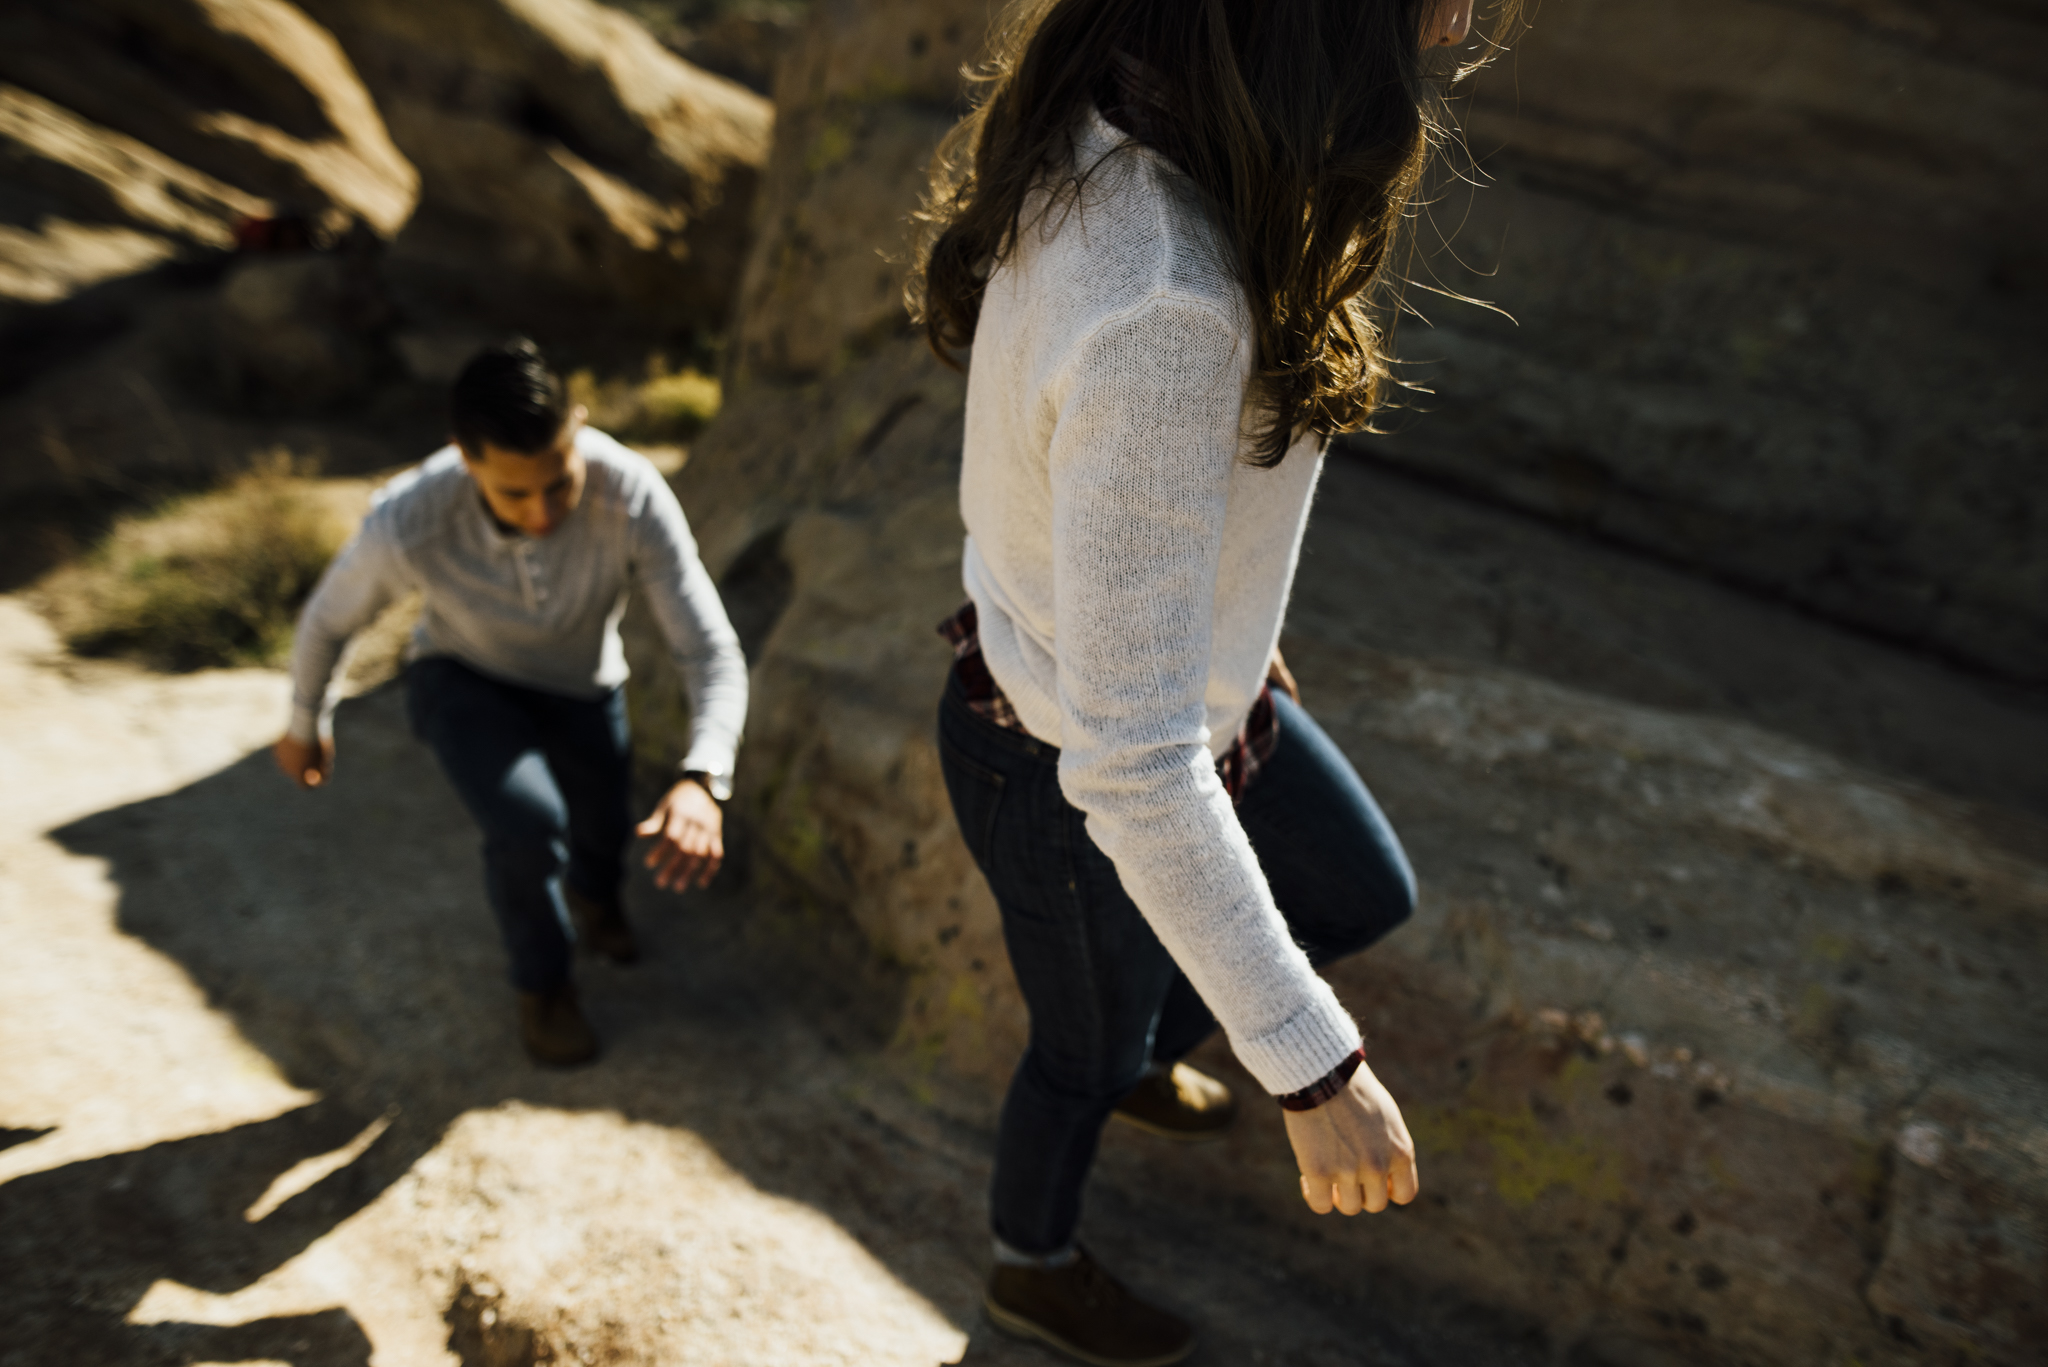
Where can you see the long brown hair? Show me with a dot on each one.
(1304, 124)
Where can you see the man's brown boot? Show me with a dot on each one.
(1179, 1103)
(602, 926)
(552, 1027)
(1085, 1313)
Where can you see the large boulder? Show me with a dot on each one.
(561, 146)
(139, 135)
(567, 177)
(861, 98)
(252, 93)
(85, 204)
(1771, 280)
(1717, 1038)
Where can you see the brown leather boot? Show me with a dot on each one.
(1085, 1313)
(602, 926)
(552, 1027)
(1181, 1103)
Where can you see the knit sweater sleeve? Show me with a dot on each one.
(1148, 410)
(368, 574)
(701, 640)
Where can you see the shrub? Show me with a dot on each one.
(667, 406)
(679, 405)
(210, 579)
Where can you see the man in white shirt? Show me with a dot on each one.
(524, 536)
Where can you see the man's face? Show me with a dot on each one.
(532, 491)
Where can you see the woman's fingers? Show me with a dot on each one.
(1365, 1192)
(1404, 1181)
(1373, 1185)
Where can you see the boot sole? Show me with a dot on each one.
(1017, 1327)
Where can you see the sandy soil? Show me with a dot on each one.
(261, 1099)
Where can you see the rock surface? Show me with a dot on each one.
(88, 204)
(254, 94)
(860, 99)
(262, 1099)
(561, 174)
(1717, 1027)
(561, 146)
(1773, 287)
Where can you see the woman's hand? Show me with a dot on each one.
(1354, 1150)
(307, 763)
(689, 837)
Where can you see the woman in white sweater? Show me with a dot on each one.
(1160, 233)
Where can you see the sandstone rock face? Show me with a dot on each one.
(552, 148)
(1775, 278)
(300, 331)
(1720, 1044)
(860, 101)
(562, 146)
(567, 176)
(90, 204)
(252, 93)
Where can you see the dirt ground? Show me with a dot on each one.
(261, 1099)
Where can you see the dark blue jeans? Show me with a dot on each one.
(548, 778)
(1106, 999)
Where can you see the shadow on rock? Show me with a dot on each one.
(87, 1241)
(346, 934)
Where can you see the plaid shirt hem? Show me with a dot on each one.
(1237, 766)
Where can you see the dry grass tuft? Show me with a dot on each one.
(679, 405)
(666, 406)
(208, 580)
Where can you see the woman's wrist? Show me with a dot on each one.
(1325, 1087)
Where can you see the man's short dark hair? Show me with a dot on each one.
(508, 395)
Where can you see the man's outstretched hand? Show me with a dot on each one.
(308, 763)
(1354, 1150)
(689, 837)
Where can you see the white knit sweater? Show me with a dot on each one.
(1131, 570)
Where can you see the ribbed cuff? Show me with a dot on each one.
(304, 725)
(1304, 1049)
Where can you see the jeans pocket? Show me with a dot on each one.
(977, 794)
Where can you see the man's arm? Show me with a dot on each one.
(687, 824)
(358, 584)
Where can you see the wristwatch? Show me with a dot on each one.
(703, 779)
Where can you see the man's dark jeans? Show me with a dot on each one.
(1106, 999)
(548, 778)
